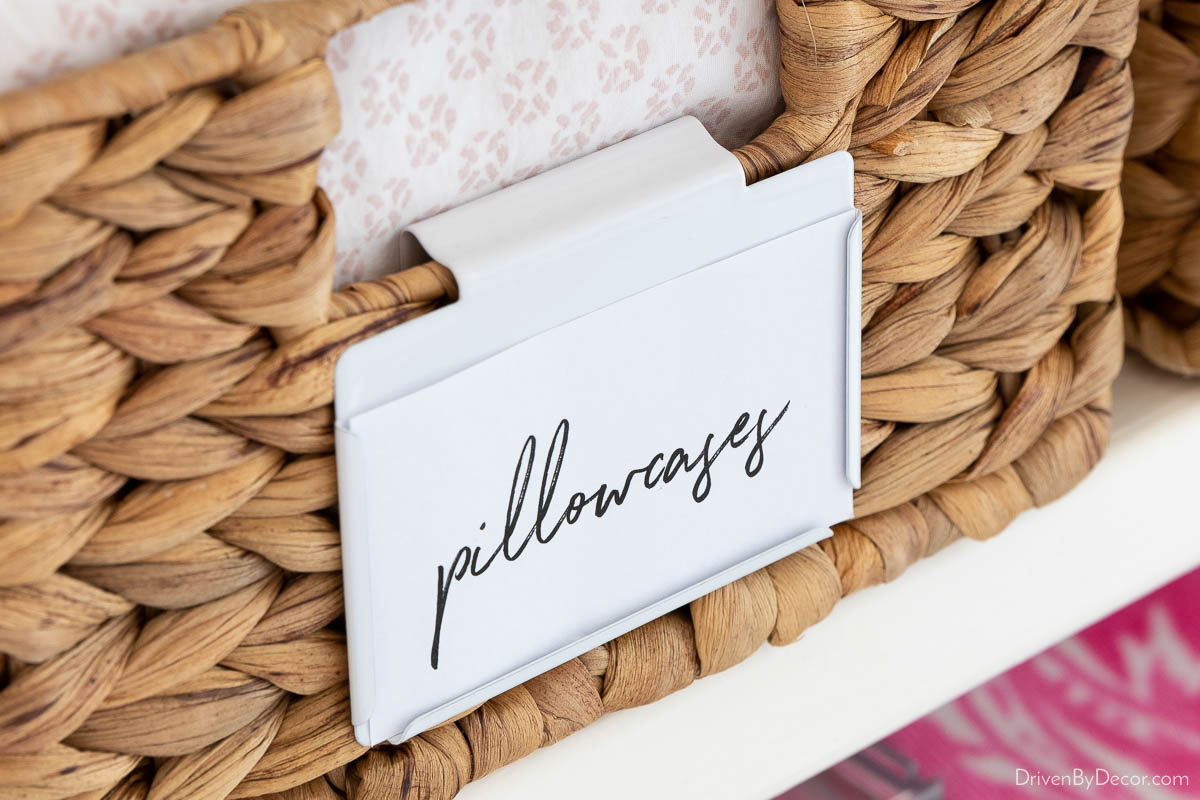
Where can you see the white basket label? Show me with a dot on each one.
(534, 493)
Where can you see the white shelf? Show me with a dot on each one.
(891, 654)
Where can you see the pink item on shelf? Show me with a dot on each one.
(1119, 700)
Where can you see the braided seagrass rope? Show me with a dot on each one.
(1159, 271)
(170, 589)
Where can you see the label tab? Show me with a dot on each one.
(541, 500)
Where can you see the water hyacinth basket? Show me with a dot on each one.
(170, 585)
(1160, 250)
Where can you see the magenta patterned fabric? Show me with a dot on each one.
(1118, 704)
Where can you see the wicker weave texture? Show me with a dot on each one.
(1159, 271)
(170, 587)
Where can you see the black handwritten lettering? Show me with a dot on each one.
(654, 474)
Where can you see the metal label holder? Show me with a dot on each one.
(548, 250)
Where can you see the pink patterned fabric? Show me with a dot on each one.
(1122, 697)
(446, 100)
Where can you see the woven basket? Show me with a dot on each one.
(170, 589)
(1160, 249)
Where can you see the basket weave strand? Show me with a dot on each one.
(170, 587)
(1160, 249)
